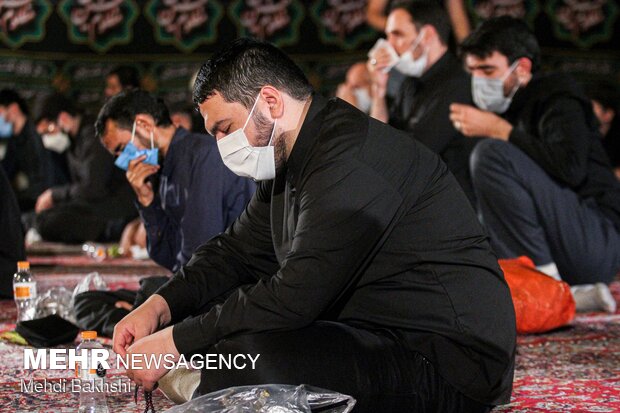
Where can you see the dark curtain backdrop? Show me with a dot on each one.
(69, 45)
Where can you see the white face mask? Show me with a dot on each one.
(364, 101)
(257, 162)
(408, 65)
(488, 94)
(56, 142)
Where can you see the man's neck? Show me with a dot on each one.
(302, 109)
(19, 124)
(434, 54)
(164, 138)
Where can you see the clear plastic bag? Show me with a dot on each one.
(269, 398)
(56, 300)
(92, 281)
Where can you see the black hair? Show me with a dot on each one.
(53, 105)
(506, 35)
(128, 76)
(240, 70)
(9, 96)
(124, 107)
(426, 12)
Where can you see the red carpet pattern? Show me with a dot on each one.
(573, 369)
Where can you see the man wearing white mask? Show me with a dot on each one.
(429, 79)
(97, 203)
(545, 186)
(352, 268)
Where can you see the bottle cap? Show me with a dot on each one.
(88, 335)
(23, 265)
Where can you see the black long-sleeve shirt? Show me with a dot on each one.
(28, 166)
(553, 124)
(365, 227)
(94, 178)
(422, 108)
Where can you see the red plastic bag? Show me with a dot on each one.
(541, 303)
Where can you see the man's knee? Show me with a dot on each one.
(488, 155)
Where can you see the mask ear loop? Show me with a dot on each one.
(273, 131)
(133, 131)
(152, 145)
(251, 111)
(512, 68)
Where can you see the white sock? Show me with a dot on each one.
(593, 297)
(551, 270)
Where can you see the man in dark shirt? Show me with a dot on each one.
(543, 181)
(358, 265)
(98, 201)
(197, 198)
(26, 161)
(433, 79)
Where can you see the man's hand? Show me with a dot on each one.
(44, 201)
(471, 121)
(137, 172)
(141, 322)
(153, 346)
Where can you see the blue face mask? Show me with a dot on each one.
(6, 128)
(131, 152)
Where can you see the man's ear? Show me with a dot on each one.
(145, 122)
(274, 99)
(524, 70)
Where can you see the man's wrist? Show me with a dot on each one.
(160, 306)
(145, 201)
(503, 130)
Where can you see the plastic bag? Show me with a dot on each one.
(269, 398)
(93, 278)
(541, 302)
(56, 300)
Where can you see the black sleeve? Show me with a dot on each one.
(94, 172)
(344, 211)
(557, 140)
(241, 255)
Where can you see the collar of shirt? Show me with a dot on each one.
(306, 138)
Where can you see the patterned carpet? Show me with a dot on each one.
(573, 369)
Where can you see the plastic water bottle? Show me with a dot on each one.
(92, 393)
(25, 292)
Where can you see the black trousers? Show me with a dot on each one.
(76, 222)
(375, 367)
(526, 212)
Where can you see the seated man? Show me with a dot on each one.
(28, 165)
(356, 88)
(12, 240)
(544, 184)
(197, 197)
(97, 203)
(418, 33)
(355, 267)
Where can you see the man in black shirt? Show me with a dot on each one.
(430, 78)
(543, 181)
(28, 165)
(358, 266)
(98, 201)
